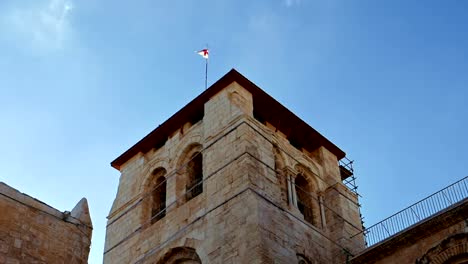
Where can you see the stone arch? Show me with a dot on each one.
(282, 178)
(307, 194)
(280, 162)
(192, 139)
(301, 259)
(186, 150)
(152, 165)
(312, 167)
(189, 179)
(452, 250)
(310, 176)
(154, 196)
(288, 160)
(180, 255)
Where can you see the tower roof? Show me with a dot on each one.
(266, 108)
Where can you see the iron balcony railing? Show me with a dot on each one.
(417, 212)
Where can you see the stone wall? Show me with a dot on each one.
(246, 212)
(33, 232)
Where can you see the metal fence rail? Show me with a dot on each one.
(417, 212)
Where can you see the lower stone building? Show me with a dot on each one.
(420, 234)
(33, 232)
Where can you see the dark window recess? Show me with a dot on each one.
(302, 259)
(158, 197)
(301, 206)
(295, 144)
(304, 202)
(195, 176)
(197, 117)
(160, 144)
(259, 118)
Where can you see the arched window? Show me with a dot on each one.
(301, 259)
(158, 194)
(194, 185)
(451, 250)
(304, 198)
(180, 255)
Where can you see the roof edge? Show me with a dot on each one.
(197, 104)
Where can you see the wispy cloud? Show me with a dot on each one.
(290, 3)
(43, 25)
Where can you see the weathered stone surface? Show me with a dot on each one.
(81, 212)
(248, 210)
(33, 232)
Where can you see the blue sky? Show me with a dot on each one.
(82, 81)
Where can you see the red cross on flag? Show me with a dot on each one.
(203, 53)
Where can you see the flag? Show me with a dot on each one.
(203, 53)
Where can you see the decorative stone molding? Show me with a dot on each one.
(180, 255)
(147, 173)
(452, 250)
(289, 171)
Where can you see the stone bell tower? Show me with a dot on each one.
(233, 177)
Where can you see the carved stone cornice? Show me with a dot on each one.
(288, 171)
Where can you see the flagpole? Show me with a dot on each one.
(206, 74)
(204, 53)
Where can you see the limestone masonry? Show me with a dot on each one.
(33, 232)
(233, 177)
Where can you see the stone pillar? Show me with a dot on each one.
(322, 211)
(294, 193)
(290, 196)
(290, 174)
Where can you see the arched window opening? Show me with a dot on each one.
(195, 176)
(180, 255)
(451, 250)
(304, 199)
(158, 195)
(301, 259)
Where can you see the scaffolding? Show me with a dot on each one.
(347, 174)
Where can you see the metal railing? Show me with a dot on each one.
(194, 189)
(417, 212)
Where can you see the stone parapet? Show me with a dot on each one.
(34, 232)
